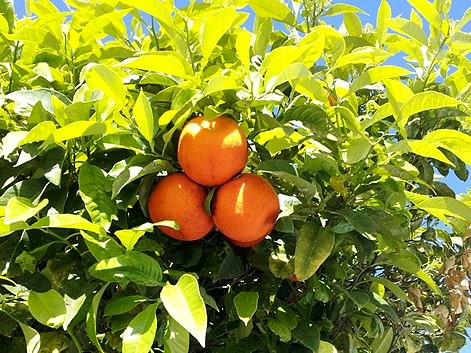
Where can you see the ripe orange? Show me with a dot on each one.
(211, 152)
(178, 198)
(245, 209)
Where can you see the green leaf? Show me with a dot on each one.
(79, 129)
(441, 207)
(138, 337)
(246, 304)
(242, 47)
(408, 28)
(291, 73)
(365, 55)
(68, 221)
(21, 209)
(122, 305)
(424, 101)
(95, 191)
(32, 97)
(384, 14)
(429, 11)
(308, 334)
(184, 303)
(91, 320)
(310, 190)
(220, 83)
(394, 288)
(356, 150)
(39, 133)
(165, 62)
(6, 229)
(377, 74)
(421, 148)
(7, 9)
(275, 9)
(313, 247)
(456, 142)
(137, 169)
(280, 328)
(326, 347)
(72, 306)
(382, 343)
(131, 267)
(102, 247)
(129, 237)
(216, 23)
(103, 78)
(94, 28)
(142, 113)
(338, 9)
(177, 339)
(32, 337)
(48, 308)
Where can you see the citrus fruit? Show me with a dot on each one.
(211, 152)
(178, 198)
(245, 209)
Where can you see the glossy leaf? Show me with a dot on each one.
(138, 337)
(216, 23)
(103, 78)
(184, 304)
(131, 267)
(383, 342)
(454, 141)
(95, 191)
(164, 62)
(48, 308)
(142, 113)
(429, 11)
(20, 209)
(246, 304)
(275, 9)
(177, 339)
(124, 304)
(32, 337)
(377, 74)
(313, 247)
(91, 320)
(68, 221)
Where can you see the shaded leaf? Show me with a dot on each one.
(138, 337)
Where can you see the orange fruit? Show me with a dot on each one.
(178, 198)
(211, 152)
(245, 209)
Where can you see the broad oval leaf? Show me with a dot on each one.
(21, 209)
(275, 9)
(133, 266)
(215, 24)
(122, 305)
(313, 247)
(48, 308)
(184, 303)
(95, 191)
(424, 101)
(177, 339)
(382, 343)
(377, 74)
(246, 304)
(108, 81)
(456, 142)
(139, 336)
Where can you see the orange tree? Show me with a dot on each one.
(370, 252)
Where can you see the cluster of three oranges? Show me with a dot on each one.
(212, 154)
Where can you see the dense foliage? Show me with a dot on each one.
(371, 252)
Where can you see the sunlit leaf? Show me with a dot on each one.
(184, 303)
(21, 209)
(48, 308)
(138, 337)
(142, 113)
(377, 74)
(275, 9)
(456, 142)
(103, 78)
(165, 62)
(429, 11)
(382, 343)
(216, 23)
